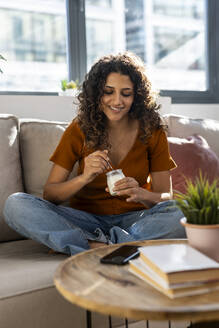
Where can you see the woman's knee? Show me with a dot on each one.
(13, 201)
(13, 205)
(166, 207)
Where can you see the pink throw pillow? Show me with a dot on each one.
(191, 155)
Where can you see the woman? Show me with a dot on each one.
(118, 126)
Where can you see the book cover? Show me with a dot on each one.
(177, 263)
(139, 268)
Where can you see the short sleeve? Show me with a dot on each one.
(69, 149)
(158, 152)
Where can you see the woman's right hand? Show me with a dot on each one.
(59, 188)
(95, 164)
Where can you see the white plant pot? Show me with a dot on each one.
(205, 238)
(69, 92)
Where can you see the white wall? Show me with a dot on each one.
(56, 108)
(197, 110)
(60, 108)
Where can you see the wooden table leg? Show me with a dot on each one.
(110, 321)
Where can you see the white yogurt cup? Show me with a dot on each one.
(112, 177)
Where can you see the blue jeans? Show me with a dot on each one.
(67, 230)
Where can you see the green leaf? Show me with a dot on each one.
(63, 84)
(3, 58)
(200, 203)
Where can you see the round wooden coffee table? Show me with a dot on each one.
(113, 290)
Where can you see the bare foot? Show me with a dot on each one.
(95, 244)
(51, 252)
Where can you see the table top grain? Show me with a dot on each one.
(113, 290)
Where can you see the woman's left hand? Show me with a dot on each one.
(128, 186)
(161, 189)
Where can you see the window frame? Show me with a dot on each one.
(77, 62)
(76, 39)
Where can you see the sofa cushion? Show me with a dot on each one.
(191, 155)
(42, 308)
(182, 126)
(19, 277)
(10, 169)
(46, 308)
(38, 139)
(27, 290)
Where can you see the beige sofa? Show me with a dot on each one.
(28, 298)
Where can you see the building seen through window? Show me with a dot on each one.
(169, 35)
(34, 42)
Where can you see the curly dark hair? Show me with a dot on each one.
(93, 121)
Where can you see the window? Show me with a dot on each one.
(176, 39)
(34, 42)
(170, 36)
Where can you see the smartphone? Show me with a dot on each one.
(121, 255)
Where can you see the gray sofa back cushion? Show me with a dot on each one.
(10, 169)
(38, 140)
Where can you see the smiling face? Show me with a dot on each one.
(118, 96)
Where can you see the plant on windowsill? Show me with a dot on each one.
(70, 88)
(200, 205)
(2, 58)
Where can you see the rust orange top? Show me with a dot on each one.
(138, 163)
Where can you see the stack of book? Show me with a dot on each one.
(176, 270)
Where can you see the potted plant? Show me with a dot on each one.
(200, 205)
(70, 88)
(1, 58)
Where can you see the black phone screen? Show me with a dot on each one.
(121, 255)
